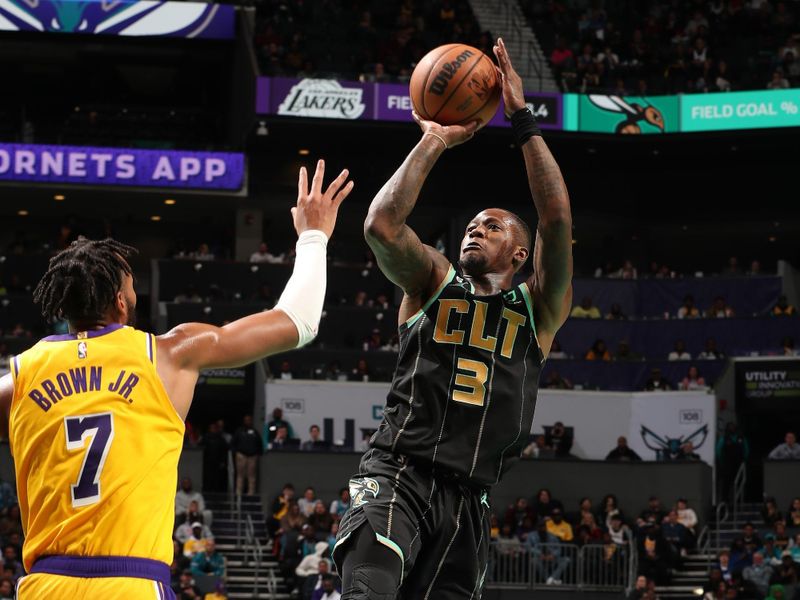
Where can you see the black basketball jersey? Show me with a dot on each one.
(465, 387)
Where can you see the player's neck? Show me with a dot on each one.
(91, 325)
(488, 284)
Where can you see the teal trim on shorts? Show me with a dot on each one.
(451, 273)
(390, 544)
(526, 293)
(338, 543)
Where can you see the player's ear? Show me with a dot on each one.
(521, 255)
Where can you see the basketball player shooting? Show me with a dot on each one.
(471, 349)
(96, 416)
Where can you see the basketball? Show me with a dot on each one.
(455, 84)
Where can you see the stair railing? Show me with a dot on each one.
(721, 517)
(738, 490)
(253, 550)
(704, 546)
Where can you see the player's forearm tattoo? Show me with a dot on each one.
(546, 183)
(397, 198)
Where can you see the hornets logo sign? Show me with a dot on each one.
(362, 489)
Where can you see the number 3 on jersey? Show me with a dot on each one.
(471, 375)
(100, 428)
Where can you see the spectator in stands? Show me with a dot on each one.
(293, 519)
(218, 593)
(654, 513)
(782, 540)
(585, 310)
(719, 309)
(545, 550)
(313, 438)
(263, 255)
(538, 449)
(321, 520)
(733, 268)
(772, 554)
(215, 459)
(639, 588)
(341, 504)
(778, 81)
(187, 590)
(770, 512)
(334, 372)
(545, 504)
(186, 495)
(556, 351)
(786, 573)
(675, 534)
(724, 566)
(679, 352)
(782, 308)
(793, 513)
(184, 532)
(203, 253)
(687, 453)
(624, 352)
(687, 517)
(12, 563)
(693, 380)
(196, 542)
(309, 566)
(555, 381)
(795, 548)
(281, 439)
(710, 352)
(271, 428)
(787, 345)
(559, 439)
(6, 589)
(208, 561)
(307, 502)
(598, 351)
(247, 447)
(280, 507)
(788, 450)
(189, 295)
(328, 590)
(615, 313)
(192, 514)
(749, 540)
(285, 372)
(559, 527)
(373, 341)
(361, 372)
(609, 507)
(314, 581)
(656, 382)
(777, 592)
(688, 310)
(623, 452)
(755, 268)
(759, 573)
(654, 556)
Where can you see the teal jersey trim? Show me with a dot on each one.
(394, 547)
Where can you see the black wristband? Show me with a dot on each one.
(524, 126)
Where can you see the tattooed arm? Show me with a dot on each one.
(551, 282)
(416, 268)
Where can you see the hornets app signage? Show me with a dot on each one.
(119, 17)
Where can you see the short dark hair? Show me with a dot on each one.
(524, 229)
(313, 427)
(82, 280)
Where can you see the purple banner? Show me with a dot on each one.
(121, 166)
(327, 98)
(122, 17)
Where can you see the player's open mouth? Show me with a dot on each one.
(472, 246)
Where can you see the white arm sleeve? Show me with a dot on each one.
(304, 294)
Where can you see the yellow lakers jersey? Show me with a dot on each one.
(96, 443)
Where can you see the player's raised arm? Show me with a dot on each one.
(403, 258)
(551, 283)
(294, 320)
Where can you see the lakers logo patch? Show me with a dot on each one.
(361, 488)
(82, 350)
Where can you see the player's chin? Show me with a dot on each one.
(473, 262)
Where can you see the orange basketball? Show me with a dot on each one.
(455, 84)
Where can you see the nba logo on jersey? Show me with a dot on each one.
(82, 351)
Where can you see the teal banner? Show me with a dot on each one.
(632, 115)
(740, 110)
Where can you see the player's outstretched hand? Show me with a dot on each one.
(449, 135)
(513, 94)
(317, 209)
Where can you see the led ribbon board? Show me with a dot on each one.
(121, 166)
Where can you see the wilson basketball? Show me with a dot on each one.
(455, 84)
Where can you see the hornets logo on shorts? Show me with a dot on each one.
(362, 486)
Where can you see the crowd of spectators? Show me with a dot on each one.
(370, 41)
(660, 47)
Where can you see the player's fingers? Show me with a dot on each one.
(302, 183)
(337, 183)
(472, 127)
(416, 117)
(294, 212)
(344, 193)
(319, 175)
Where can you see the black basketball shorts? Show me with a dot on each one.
(437, 526)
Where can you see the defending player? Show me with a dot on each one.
(462, 399)
(96, 416)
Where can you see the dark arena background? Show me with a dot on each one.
(181, 132)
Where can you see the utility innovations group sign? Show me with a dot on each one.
(121, 166)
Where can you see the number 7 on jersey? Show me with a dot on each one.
(100, 427)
